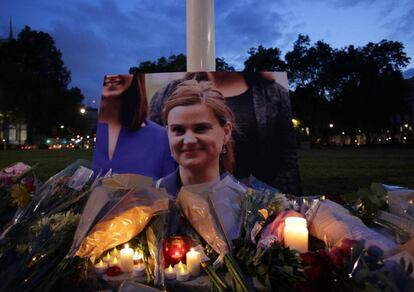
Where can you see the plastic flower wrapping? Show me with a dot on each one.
(214, 210)
(124, 221)
(240, 226)
(102, 199)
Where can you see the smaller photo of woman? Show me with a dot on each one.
(126, 141)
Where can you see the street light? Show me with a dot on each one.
(331, 125)
(82, 110)
(62, 126)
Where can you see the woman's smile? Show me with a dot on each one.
(196, 137)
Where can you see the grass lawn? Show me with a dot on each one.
(344, 170)
(337, 170)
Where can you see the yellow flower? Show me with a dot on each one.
(20, 196)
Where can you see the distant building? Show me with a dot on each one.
(10, 36)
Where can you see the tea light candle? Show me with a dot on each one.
(179, 266)
(126, 260)
(114, 262)
(296, 234)
(137, 258)
(107, 258)
(169, 273)
(193, 260)
(182, 274)
(100, 268)
(138, 270)
(115, 253)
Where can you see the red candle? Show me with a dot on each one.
(175, 249)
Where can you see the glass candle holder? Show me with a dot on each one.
(175, 249)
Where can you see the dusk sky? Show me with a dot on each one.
(108, 37)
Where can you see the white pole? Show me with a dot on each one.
(201, 55)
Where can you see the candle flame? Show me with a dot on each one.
(108, 256)
(101, 263)
(170, 269)
(127, 245)
(192, 250)
(115, 251)
(115, 261)
(182, 270)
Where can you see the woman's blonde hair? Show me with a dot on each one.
(192, 92)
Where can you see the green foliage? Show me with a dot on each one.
(277, 267)
(329, 84)
(173, 63)
(263, 59)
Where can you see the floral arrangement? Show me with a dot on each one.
(225, 228)
(17, 185)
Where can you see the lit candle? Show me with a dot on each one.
(100, 268)
(137, 258)
(179, 266)
(296, 234)
(115, 253)
(126, 260)
(169, 273)
(182, 274)
(107, 258)
(193, 262)
(114, 262)
(138, 270)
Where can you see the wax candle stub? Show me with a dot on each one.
(193, 262)
(296, 234)
(169, 273)
(100, 268)
(126, 259)
(182, 274)
(107, 258)
(179, 266)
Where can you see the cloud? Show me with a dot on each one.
(248, 24)
(98, 38)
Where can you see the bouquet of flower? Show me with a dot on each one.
(17, 185)
(34, 246)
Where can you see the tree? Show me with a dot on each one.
(312, 84)
(174, 63)
(262, 59)
(33, 82)
(370, 85)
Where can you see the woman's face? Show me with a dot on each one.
(196, 137)
(115, 85)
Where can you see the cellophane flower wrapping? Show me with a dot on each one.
(226, 200)
(155, 233)
(102, 199)
(17, 185)
(334, 222)
(55, 195)
(214, 210)
(124, 221)
(35, 245)
(194, 203)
